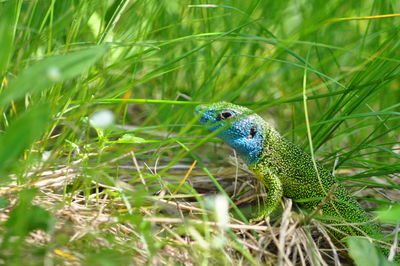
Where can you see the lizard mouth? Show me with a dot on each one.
(199, 109)
(204, 115)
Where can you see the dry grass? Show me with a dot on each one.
(97, 220)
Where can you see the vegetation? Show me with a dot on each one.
(83, 185)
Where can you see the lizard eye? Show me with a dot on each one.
(225, 115)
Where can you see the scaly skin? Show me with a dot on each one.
(286, 170)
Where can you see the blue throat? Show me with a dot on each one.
(249, 149)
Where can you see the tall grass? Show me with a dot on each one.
(99, 192)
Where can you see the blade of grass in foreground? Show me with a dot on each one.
(49, 71)
(8, 24)
(22, 133)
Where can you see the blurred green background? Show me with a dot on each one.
(150, 62)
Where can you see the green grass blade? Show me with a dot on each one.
(50, 70)
(9, 14)
(21, 134)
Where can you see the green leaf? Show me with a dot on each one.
(39, 218)
(50, 70)
(22, 220)
(129, 138)
(21, 134)
(364, 253)
(390, 215)
(25, 217)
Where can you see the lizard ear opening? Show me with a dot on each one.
(253, 132)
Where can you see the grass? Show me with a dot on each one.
(140, 192)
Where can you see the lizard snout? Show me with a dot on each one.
(199, 109)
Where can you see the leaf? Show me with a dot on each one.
(364, 253)
(50, 70)
(25, 217)
(21, 133)
(129, 138)
(39, 218)
(390, 215)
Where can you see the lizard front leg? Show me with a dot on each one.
(275, 192)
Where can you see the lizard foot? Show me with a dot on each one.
(261, 215)
(257, 219)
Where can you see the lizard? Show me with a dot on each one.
(287, 171)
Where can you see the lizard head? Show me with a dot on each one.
(238, 126)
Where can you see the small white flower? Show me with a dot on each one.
(221, 210)
(54, 73)
(102, 119)
(219, 205)
(46, 155)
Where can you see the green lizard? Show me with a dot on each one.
(286, 170)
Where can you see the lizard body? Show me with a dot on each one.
(286, 170)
